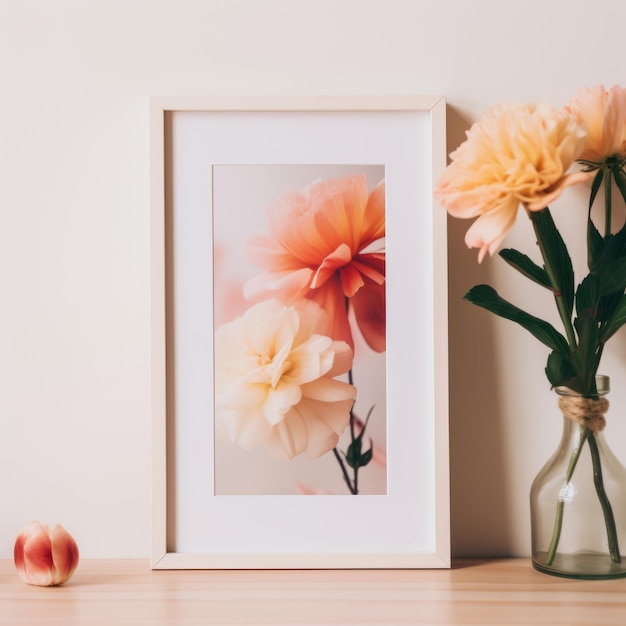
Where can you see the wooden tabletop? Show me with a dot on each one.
(477, 592)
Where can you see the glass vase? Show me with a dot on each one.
(578, 500)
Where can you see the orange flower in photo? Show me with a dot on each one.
(326, 243)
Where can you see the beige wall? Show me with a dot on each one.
(74, 350)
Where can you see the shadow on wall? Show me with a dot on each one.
(480, 516)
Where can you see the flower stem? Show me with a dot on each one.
(353, 483)
(554, 266)
(607, 511)
(608, 201)
(344, 471)
(558, 521)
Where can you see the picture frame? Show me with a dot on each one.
(195, 527)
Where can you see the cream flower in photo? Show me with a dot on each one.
(516, 154)
(275, 383)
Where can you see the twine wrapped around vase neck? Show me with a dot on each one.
(585, 411)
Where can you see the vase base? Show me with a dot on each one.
(580, 566)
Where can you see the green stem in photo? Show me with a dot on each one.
(344, 472)
(355, 470)
(354, 457)
(352, 483)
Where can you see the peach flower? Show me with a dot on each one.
(326, 243)
(274, 380)
(604, 115)
(516, 154)
(45, 556)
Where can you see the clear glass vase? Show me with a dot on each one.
(578, 504)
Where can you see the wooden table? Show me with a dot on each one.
(479, 592)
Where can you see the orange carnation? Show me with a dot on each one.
(326, 243)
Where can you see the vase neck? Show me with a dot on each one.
(584, 411)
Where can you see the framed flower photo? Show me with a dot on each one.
(299, 333)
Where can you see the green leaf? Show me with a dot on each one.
(620, 180)
(595, 247)
(595, 187)
(615, 321)
(353, 455)
(604, 251)
(558, 263)
(583, 358)
(610, 263)
(590, 299)
(587, 295)
(616, 245)
(558, 369)
(488, 298)
(366, 457)
(522, 263)
(607, 306)
(613, 278)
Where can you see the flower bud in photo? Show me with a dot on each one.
(45, 556)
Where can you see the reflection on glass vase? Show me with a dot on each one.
(578, 499)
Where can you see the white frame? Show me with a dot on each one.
(163, 492)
